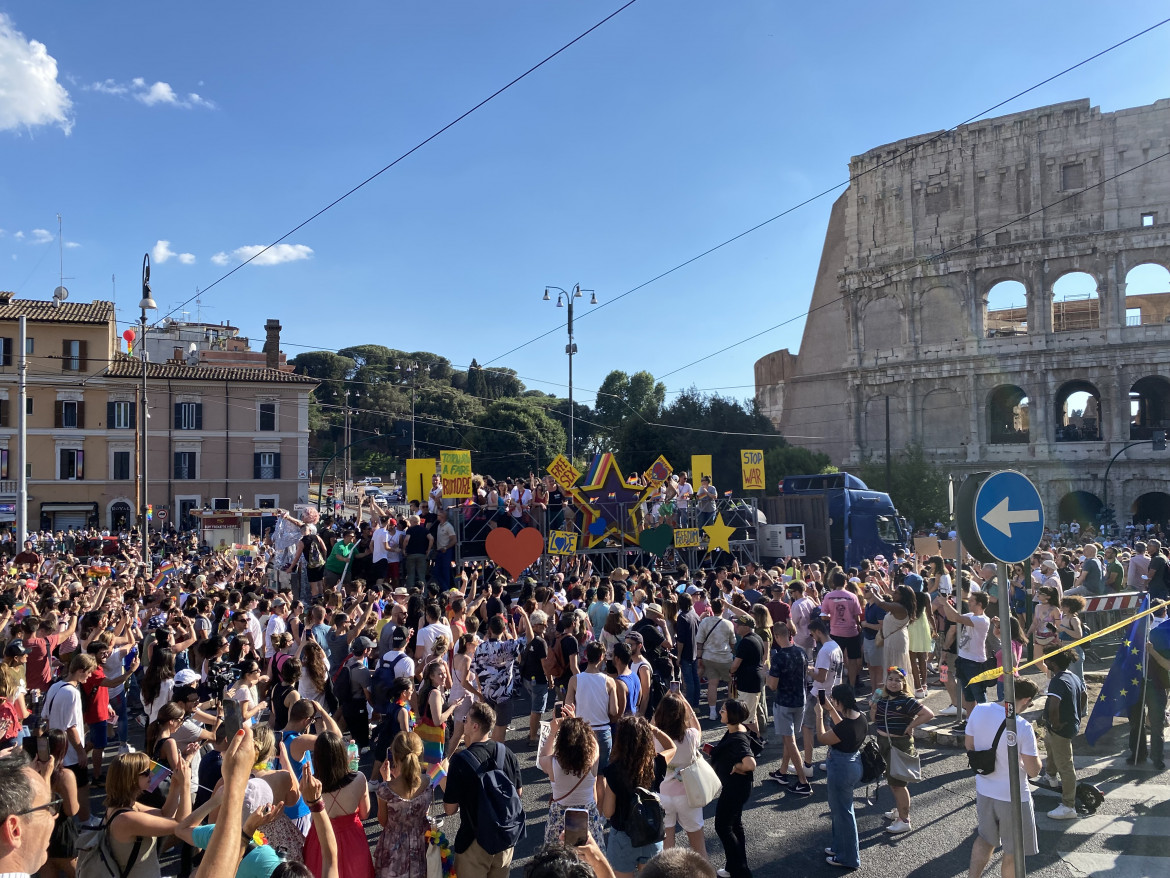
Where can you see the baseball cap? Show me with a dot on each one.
(914, 581)
(399, 636)
(186, 677)
(15, 648)
(746, 621)
(632, 637)
(362, 643)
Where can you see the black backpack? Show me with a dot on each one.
(381, 682)
(500, 815)
(646, 822)
(873, 766)
(313, 554)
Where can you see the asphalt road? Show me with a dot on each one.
(787, 834)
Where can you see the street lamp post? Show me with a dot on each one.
(411, 369)
(146, 304)
(571, 347)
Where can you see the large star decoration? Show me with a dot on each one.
(719, 534)
(604, 494)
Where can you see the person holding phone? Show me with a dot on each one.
(404, 799)
(734, 761)
(843, 767)
(569, 758)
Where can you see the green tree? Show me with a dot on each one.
(622, 396)
(327, 367)
(514, 436)
(917, 486)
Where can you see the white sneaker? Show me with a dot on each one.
(1063, 812)
(891, 815)
(949, 710)
(900, 826)
(713, 715)
(723, 873)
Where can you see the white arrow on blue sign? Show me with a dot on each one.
(1009, 516)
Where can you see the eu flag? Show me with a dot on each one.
(1123, 685)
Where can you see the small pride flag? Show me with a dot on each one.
(20, 610)
(161, 572)
(436, 774)
(157, 775)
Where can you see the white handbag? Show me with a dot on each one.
(700, 782)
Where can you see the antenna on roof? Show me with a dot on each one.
(60, 252)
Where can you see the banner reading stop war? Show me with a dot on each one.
(752, 464)
(456, 474)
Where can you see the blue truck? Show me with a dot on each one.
(842, 517)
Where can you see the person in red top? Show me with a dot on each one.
(95, 701)
(40, 639)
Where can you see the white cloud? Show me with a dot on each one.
(41, 236)
(31, 94)
(162, 252)
(71, 245)
(152, 95)
(273, 255)
(187, 258)
(19, 236)
(221, 258)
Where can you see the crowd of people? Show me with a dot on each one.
(263, 692)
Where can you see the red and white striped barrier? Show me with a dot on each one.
(1126, 600)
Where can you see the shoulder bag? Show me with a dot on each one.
(880, 638)
(983, 761)
(700, 781)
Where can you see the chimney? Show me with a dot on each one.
(272, 344)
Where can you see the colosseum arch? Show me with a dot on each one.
(1005, 309)
(881, 324)
(1076, 304)
(941, 317)
(1077, 413)
(1007, 416)
(1149, 407)
(1147, 294)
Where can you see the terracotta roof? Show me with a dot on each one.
(44, 311)
(130, 367)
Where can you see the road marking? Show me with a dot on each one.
(1130, 792)
(1109, 824)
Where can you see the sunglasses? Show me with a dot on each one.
(53, 806)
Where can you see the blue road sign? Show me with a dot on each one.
(1009, 516)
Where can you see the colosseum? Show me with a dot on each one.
(999, 294)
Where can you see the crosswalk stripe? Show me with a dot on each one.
(1113, 865)
(1090, 763)
(1129, 792)
(1106, 825)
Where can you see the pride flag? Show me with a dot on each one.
(20, 610)
(162, 572)
(157, 775)
(436, 774)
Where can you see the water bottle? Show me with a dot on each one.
(351, 750)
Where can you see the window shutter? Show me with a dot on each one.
(109, 416)
(276, 465)
(256, 465)
(81, 414)
(178, 463)
(7, 361)
(64, 356)
(82, 352)
(198, 416)
(3, 413)
(133, 415)
(58, 413)
(178, 415)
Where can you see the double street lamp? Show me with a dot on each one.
(571, 347)
(147, 304)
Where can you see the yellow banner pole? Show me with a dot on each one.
(987, 676)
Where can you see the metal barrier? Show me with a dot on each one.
(1107, 609)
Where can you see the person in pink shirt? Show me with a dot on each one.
(844, 612)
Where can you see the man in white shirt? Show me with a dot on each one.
(276, 625)
(685, 490)
(430, 632)
(972, 658)
(380, 544)
(396, 655)
(993, 791)
(828, 671)
(64, 709)
(435, 499)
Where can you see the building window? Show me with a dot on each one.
(1148, 219)
(71, 460)
(69, 413)
(73, 355)
(3, 463)
(121, 466)
(28, 405)
(188, 416)
(5, 351)
(186, 465)
(120, 415)
(266, 465)
(267, 416)
(1072, 176)
(28, 344)
(4, 413)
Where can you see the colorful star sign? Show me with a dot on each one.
(719, 534)
(604, 495)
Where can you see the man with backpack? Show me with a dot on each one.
(483, 786)
(561, 663)
(352, 686)
(394, 664)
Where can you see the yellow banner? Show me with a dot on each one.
(752, 464)
(456, 474)
(659, 471)
(987, 676)
(700, 466)
(686, 538)
(418, 478)
(562, 542)
(563, 472)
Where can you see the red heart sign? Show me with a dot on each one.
(515, 553)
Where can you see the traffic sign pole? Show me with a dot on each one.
(1009, 702)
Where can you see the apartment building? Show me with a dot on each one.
(236, 432)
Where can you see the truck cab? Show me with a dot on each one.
(862, 523)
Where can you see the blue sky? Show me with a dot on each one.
(217, 127)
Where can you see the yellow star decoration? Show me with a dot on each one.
(719, 535)
(1100, 697)
(1124, 692)
(1134, 650)
(1137, 682)
(1128, 643)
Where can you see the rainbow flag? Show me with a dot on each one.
(22, 609)
(157, 775)
(162, 572)
(436, 774)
